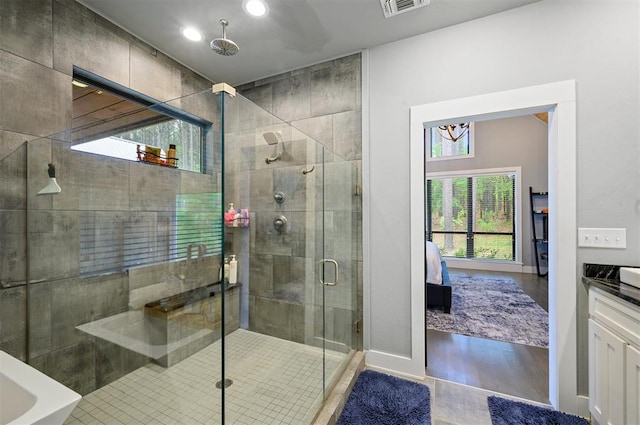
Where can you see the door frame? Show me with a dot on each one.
(558, 99)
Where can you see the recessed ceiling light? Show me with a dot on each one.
(257, 8)
(191, 33)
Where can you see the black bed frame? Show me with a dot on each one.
(440, 295)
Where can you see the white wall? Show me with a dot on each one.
(595, 43)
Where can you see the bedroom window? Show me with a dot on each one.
(453, 141)
(473, 215)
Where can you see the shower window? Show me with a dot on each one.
(186, 137)
(115, 121)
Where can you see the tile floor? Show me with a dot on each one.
(274, 382)
(457, 404)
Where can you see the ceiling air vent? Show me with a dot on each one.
(394, 7)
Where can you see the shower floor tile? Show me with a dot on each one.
(274, 382)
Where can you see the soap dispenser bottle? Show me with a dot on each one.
(229, 215)
(233, 270)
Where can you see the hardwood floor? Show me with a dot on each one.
(514, 369)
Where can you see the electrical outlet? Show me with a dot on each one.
(602, 238)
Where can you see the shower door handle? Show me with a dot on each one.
(322, 263)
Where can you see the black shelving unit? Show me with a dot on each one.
(538, 202)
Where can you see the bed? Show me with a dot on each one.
(437, 279)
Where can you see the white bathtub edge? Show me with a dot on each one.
(54, 400)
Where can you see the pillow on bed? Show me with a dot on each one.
(434, 265)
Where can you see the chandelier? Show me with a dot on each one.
(453, 132)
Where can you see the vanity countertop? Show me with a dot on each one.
(607, 279)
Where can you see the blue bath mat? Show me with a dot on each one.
(386, 400)
(510, 412)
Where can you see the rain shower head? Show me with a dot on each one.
(223, 46)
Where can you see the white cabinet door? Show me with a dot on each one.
(606, 375)
(633, 385)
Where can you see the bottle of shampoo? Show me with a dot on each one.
(244, 217)
(229, 215)
(233, 270)
(171, 156)
(225, 272)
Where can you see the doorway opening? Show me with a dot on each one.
(493, 332)
(558, 99)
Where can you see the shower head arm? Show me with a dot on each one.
(224, 46)
(224, 24)
(273, 158)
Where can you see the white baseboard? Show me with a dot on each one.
(395, 373)
(394, 364)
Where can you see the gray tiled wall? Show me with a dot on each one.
(284, 299)
(13, 323)
(40, 42)
(62, 298)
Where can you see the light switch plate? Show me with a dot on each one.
(602, 238)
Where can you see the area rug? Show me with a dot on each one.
(386, 400)
(492, 308)
(510, 412)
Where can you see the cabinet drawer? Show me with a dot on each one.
(621, 317)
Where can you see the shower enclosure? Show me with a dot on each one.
(117, 284)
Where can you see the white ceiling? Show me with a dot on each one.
(294, 34)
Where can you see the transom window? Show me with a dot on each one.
(452, 141)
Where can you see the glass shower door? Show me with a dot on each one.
(295, 332)
(339, 263)
(272, 363)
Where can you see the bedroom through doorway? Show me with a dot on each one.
(515, 369)
(558, 99)
(496, 334)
